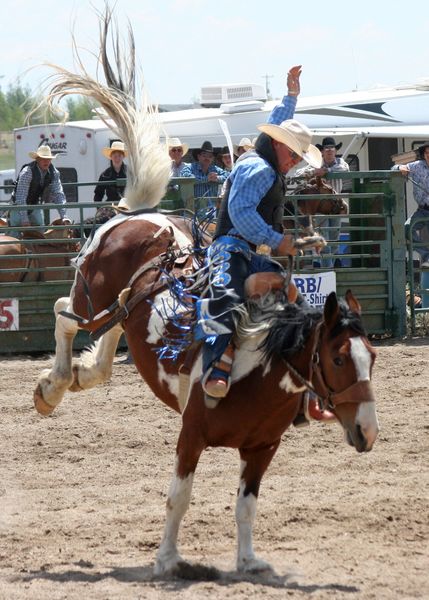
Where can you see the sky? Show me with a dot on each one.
(182, 45)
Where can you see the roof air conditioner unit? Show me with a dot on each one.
(215, 95)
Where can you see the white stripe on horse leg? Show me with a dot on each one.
(245, 513)
(52, 383)
(178, 500)
(95, 364)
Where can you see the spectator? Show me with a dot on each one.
(113, 192)
(38, 182)
(209, 176)
(329, 226)
(418, 171)
(226, 159)
(243, 146)
(177, 151)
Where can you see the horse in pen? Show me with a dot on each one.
(136, 275)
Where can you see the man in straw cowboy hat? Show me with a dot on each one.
(37, 182)
(251, 214)
(177, 150)
(116, 170)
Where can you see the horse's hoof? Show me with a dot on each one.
(75, 386)
(42, 407)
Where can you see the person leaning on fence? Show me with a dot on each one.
(418, 173)
(117, 169)
(209, 176)
(38, 182)
(329, 226)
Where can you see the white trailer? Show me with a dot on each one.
(7, 179)
(78, 146)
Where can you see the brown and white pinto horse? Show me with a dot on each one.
(119, 274)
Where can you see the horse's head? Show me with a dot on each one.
(342, 375)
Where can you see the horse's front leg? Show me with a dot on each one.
(253, 465)
(168, 560)
(52, 383)
(94, 365)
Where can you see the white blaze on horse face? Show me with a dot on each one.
(366, 416)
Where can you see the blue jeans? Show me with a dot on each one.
(420, 232)
(35, 216)
(329, 228)
(230, 263)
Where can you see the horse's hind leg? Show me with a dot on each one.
(168, 560)
(52, 383)
(253, 466)
(95, 364)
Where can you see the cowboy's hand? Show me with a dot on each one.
(287, 246)
(404, 170)
(293, 86)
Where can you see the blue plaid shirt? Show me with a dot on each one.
(204, 188)
(251, 179)
(419, 172)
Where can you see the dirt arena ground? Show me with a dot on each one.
(82, 496)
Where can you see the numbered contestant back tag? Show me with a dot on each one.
(9, 314)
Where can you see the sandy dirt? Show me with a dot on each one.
(82, 496)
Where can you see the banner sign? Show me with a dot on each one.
(315, 287)
(9, 314)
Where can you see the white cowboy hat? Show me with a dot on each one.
(176, 143)
(115, 147)
(243, 143)
(297, 137)
(42, 152)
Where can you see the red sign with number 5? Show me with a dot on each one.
(8, 314)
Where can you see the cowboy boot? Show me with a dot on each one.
(217, 381)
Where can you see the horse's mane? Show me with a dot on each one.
(138, 127)
(287, 327)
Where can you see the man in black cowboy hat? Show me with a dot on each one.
(418, 171)
(208, 174)
(329, 226)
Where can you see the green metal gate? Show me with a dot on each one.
(374, 267)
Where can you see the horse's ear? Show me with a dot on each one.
(353, 303)
(332, 310)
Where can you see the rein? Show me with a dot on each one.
(358, 392)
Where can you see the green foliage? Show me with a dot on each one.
(19, 107)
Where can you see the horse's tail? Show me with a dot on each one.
(148, 162)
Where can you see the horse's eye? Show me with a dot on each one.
(338, 361)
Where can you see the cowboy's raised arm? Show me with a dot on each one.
(286, 109)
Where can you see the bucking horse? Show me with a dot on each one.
(137, 275)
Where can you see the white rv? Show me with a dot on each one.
(373, 125)
(7, 179)
(78, 146)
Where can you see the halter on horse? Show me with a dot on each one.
(278, 348)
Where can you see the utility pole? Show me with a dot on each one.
(267, 85)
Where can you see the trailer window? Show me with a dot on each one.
(69, 176)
